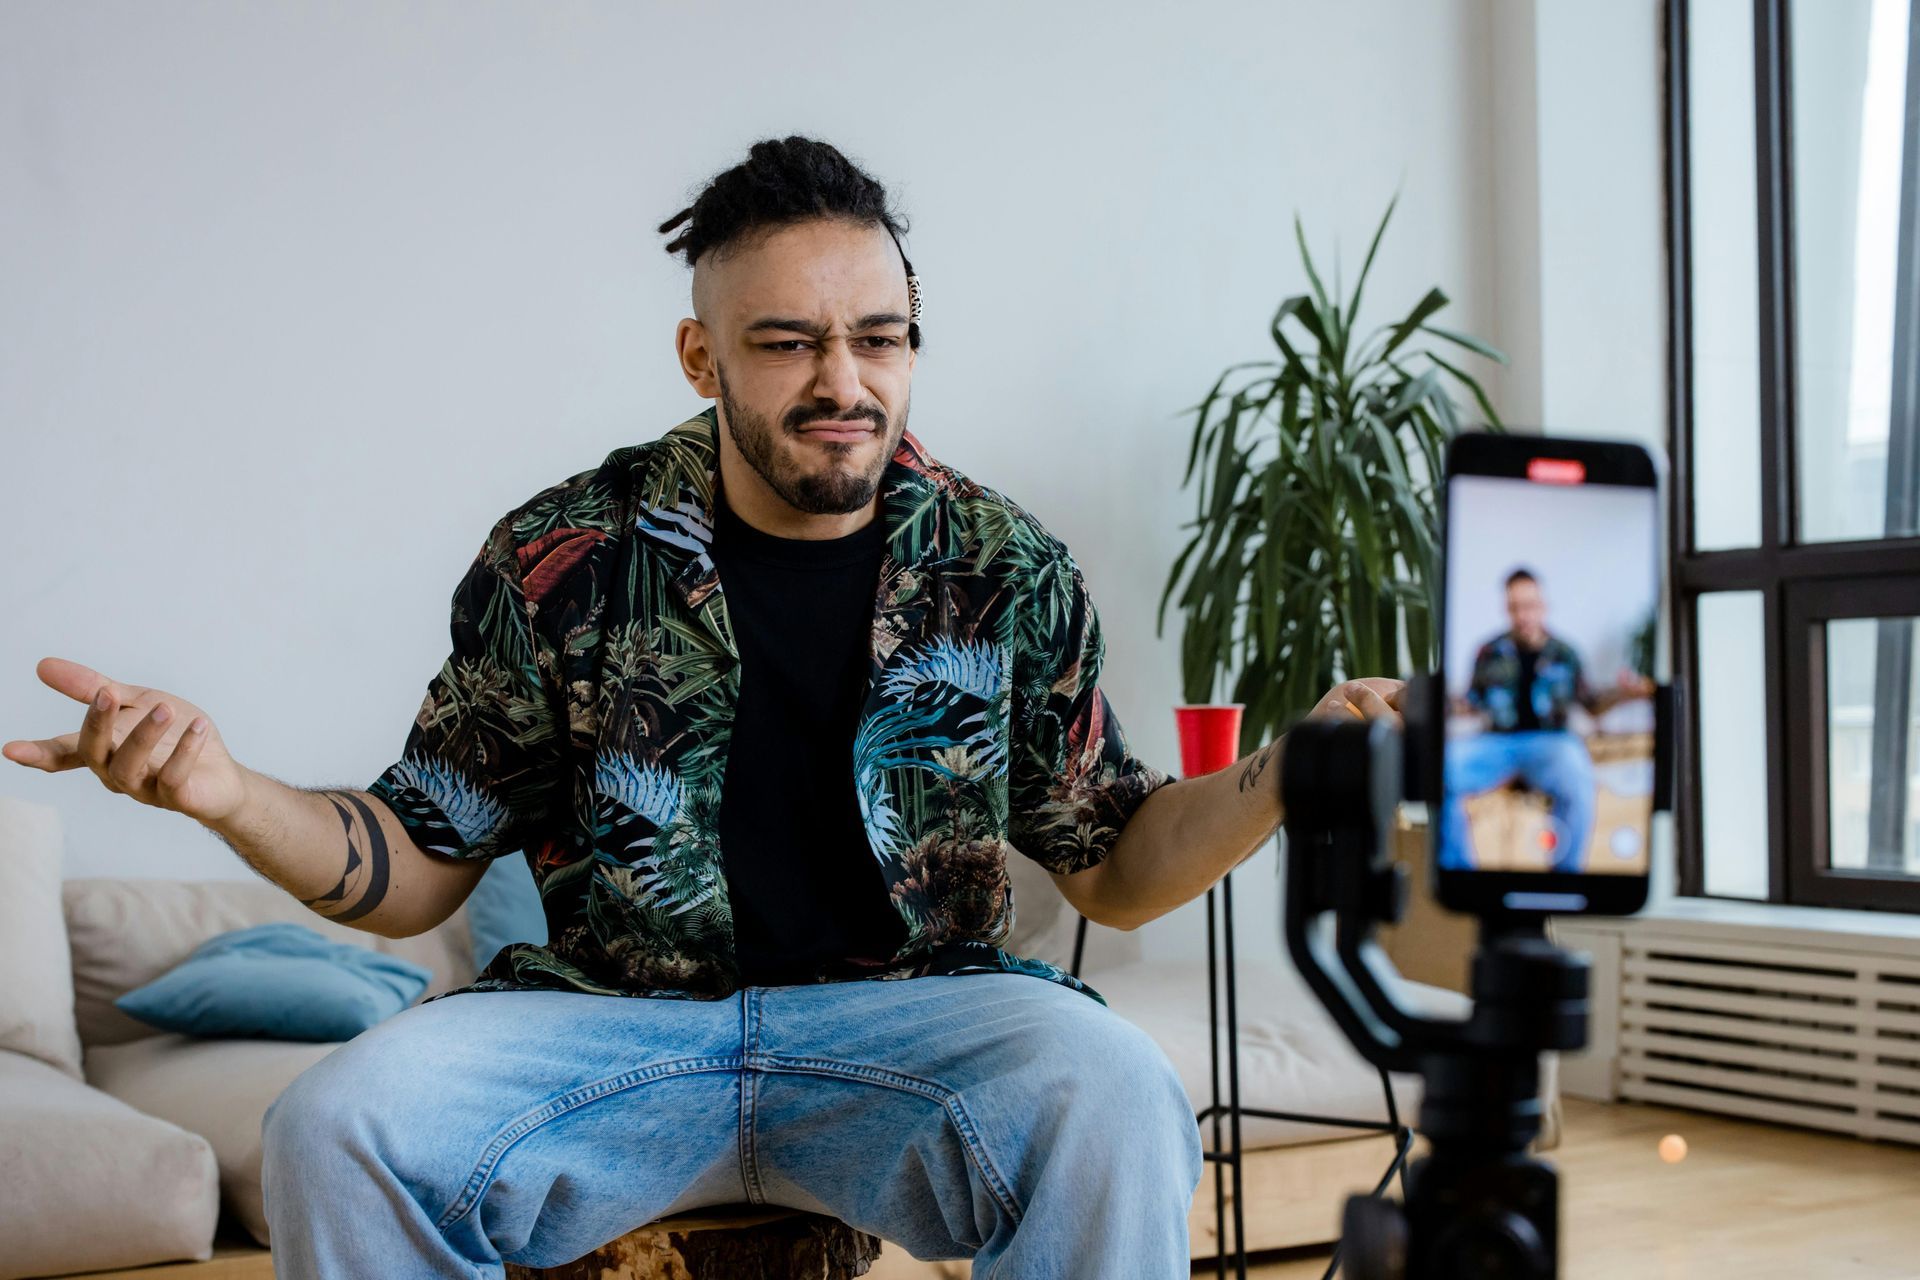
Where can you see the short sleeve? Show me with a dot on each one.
(1073, 783)
(1481, 679)
(1583, 691)
(485, 752)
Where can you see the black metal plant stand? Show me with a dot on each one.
(1221, 958)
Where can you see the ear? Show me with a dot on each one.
(691, 343)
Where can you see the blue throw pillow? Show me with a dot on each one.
(504, 908)
(277, 982)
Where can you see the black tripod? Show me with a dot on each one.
(1478, 1207)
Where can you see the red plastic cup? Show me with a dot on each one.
(1209, 736)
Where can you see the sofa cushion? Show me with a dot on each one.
(124, 933)
(1044, 924)
(170, 1076)
(1293, 1056)
(36, 1018)
(1042, 920)
(91, 1183)
(505, 908)
(277, 981)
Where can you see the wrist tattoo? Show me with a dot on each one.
(1250, 776)
(363, 884)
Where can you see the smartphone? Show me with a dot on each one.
(1549, 610)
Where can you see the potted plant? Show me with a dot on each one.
(1315, 544)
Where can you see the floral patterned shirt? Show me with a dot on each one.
(583, 716)
(1527, 689)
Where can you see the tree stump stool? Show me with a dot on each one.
(725, 1242)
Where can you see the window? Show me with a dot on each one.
(1793, 147)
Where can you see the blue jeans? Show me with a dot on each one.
(1553, 761)
(995, 1116)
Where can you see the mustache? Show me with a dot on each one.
(800, 419)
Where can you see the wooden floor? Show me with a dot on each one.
(1750, 1201)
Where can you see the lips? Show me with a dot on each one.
(855, 430)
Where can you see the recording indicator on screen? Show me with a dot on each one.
(1556, 471)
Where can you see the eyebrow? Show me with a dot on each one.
(814, 329)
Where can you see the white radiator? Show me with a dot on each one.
(1821, 1035)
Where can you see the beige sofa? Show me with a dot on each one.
(121, 1146)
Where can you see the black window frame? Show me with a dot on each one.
(1801, 584)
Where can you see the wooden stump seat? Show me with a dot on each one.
(724, 1242)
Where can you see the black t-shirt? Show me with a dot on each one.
(1527, 716)
(808, 895)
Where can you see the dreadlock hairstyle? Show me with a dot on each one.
(781, 182)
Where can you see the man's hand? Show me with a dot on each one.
(154, 746)
(1634, 685)
(1372, 698)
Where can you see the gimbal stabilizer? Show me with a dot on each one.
(1478, 1207)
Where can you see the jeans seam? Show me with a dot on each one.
(949, 1100)
(749, 1098)
(554, 1108)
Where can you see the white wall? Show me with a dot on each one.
(1603, 285)
(1582, 248)
(299, 298)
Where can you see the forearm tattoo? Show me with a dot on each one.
(364, 882)
(1250, 776)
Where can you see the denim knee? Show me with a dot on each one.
(309, 1116)
(1126, 1089)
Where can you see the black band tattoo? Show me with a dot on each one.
(366, 875)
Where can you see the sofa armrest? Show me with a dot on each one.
(92, 1183)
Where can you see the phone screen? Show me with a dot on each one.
(1552, 599)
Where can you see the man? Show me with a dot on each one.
(1524, 683)
(768, 700)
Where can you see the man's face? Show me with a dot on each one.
(805, 327)
(1527, 612)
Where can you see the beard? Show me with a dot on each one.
(835, 488)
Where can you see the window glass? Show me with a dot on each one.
(1733, 744)
(1849, 103)
(1724, 255)
(1873, 746)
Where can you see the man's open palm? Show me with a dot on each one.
(146, 743)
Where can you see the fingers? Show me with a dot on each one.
(1372, 698)
(1388, 689)
(173, 775)
(50, 754)
(1370, 705)
(1338, 702)
(96, 729)
(132, 760)
(80, 682)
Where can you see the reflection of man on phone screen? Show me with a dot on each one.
(1524, 682)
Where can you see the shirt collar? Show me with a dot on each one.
(675, 511)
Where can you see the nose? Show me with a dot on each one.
(837, 375)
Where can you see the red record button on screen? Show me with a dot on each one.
(1556, 470)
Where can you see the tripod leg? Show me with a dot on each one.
(1400, 1133)
(1233, 1081)
(1213, 1112)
